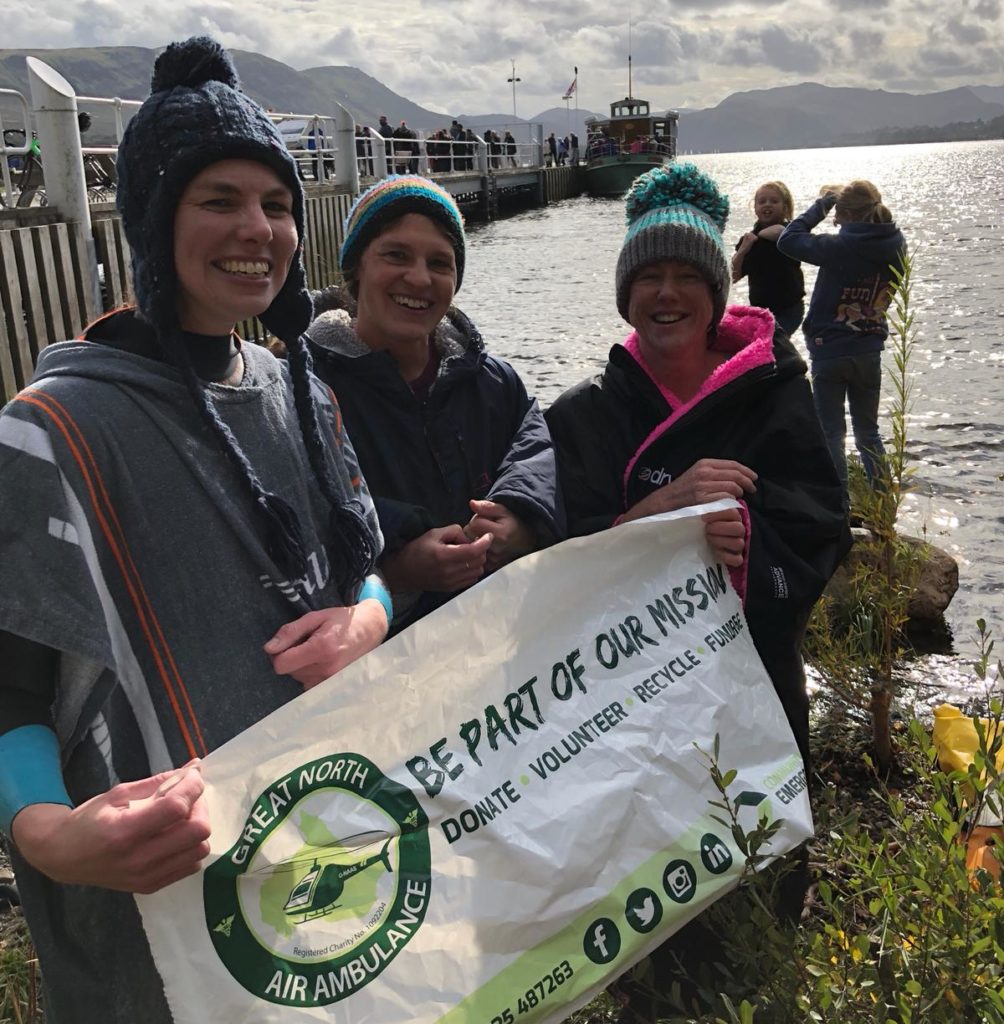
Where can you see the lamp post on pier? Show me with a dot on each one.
(513, 80)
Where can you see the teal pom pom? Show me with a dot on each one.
(677, 185)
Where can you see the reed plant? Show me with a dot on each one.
(20, 982)
(856, 636)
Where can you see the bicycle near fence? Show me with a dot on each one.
(24, 166)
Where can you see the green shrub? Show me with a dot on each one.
(899, 931)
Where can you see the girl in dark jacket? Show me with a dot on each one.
(775, 280)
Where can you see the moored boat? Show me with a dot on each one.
(628, 143)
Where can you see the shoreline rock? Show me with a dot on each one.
(937, 582)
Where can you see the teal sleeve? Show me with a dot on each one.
(373, 586)
(30, 772)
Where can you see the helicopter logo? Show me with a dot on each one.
(303, 896)
(318, 892)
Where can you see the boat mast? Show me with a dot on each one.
(630, 94)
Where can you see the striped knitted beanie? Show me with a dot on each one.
(388, 201)
(675, 213)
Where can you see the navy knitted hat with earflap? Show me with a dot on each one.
(675, 213)
(196, 116)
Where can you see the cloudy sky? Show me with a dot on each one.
(455, 54)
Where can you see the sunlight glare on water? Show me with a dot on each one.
(540, 285)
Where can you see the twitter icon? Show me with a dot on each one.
(643, 910)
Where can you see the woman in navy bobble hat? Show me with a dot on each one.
(187, 542)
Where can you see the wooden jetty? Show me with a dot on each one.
(64, 258)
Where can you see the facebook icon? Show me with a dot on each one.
(602, 941)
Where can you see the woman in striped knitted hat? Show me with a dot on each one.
(455, 452)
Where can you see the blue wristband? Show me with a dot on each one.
(373, 587)
(30, 772)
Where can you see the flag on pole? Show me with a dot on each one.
(571, 89)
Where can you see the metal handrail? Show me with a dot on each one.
(119, 104)
(5, 150)
(318, 154)
(378, 154)
(322, 129)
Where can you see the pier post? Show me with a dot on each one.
(346, 164)
(537, 137)
(54, 105)
(119, 122)
(381, 165)
(484, 199)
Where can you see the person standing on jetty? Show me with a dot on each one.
(457, 454)
(845, 328)
(703, 402)
(552, 150)
(186, 543)
(775, 280)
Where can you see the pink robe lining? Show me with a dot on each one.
(747, 332)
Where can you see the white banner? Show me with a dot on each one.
(494, 813)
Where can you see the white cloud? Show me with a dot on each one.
(455, 54)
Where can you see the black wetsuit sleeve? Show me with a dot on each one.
(28, 672)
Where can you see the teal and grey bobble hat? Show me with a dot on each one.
(675, 213)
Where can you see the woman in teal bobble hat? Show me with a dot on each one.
(703, 401)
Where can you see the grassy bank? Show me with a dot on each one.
(20, 981)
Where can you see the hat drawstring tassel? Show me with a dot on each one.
(285, 536)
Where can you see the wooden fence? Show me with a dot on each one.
(563, 182)
(45, 276)
(43, 295)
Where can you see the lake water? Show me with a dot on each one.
(540, 287)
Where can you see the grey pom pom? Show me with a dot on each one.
(192, 63)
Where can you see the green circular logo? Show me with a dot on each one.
(715, 855)
(643, 910)
(327, 883)
(602, 941)
(680, 881)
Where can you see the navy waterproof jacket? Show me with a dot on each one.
(620, 436)
(855, 282)
(477, 434)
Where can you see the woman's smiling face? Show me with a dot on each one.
(406, 281)
(670, 305)
(234, 241)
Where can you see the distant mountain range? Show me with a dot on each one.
(810, 115)
(124, 71)
(789, 117)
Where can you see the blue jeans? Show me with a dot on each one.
(858, 381)
(788, 319)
